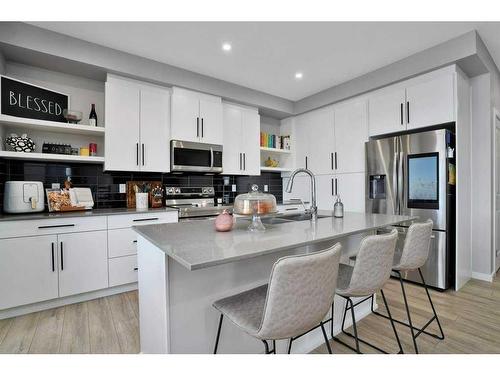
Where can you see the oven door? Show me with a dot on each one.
(195, 157)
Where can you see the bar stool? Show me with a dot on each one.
(369, 274)
(297, 298)
(413, 256)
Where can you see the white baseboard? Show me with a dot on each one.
(483, 276)
(45, 305)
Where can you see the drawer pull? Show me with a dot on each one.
(148, 219)
(136, 268)
(56, 226)
(134, 241)
(291, 209)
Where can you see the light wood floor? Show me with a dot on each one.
(470, 319)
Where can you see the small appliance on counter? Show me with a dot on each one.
(23, 197)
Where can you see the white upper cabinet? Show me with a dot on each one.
(241, 152)
(122, 141)
(420, 102)
(386, 110)
(137, 126)
(155, 132)
(314, 140)
(351, 133)
(351, 188)
(196, 117)
(431, 102)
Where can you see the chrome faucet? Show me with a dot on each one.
(313, 209)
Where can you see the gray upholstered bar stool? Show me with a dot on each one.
(369, 274)
(297, 298)
(412, 257)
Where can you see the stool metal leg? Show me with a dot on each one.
(408, 312)
(218, 333)
(326, 338)
(273, 350)
(392, 322)
(432, 306)
(290, 345)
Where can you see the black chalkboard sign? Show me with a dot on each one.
(21, 99)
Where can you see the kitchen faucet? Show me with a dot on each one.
(313, 209)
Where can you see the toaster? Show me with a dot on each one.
(23, 196)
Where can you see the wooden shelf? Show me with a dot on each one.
(275, 169)
(50, 126)
(37, 156)
(275, 150)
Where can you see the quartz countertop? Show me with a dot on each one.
(197, 245)
(87, 213)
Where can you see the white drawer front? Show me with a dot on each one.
(22, 228)
(126, 221)
(123, 270)
(122, 242)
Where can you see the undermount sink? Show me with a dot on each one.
(282, 219)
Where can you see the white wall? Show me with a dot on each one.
(83, 92)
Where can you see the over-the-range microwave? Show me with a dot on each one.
(195, 157)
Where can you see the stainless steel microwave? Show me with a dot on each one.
(195, 157)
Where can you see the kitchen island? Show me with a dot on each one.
(184, 267)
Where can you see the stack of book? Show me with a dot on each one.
(274, 141)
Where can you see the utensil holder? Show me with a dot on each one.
(141, 201)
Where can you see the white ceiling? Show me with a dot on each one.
(265, 56)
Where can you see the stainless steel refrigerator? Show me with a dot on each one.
(414, 174)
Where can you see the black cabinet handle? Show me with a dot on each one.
(148, 219)
(331, 160)
(408, 112)
(55, 226)
(134, 241)
(401, 113)
(244, 161)
(336, 191)
(143, 154)
(291, 209)
(137, 153)
(136, 268)
(62, 257)
(306, 162)
(53, 259)
(240, 160)
(202, 127)
(197, 126)
(335, 160)
(332, 187)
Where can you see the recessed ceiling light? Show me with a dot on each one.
(298, 75)
(226, 47)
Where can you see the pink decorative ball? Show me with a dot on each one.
(224, 222)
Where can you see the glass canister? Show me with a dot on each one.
(255, 204)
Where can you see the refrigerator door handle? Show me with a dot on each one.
(395, 188)
(401, 182)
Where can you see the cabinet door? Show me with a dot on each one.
(28, 270)
(321, 141)
(351, 188)
(185, 125)
(301, 132)
(250, 141)
(122, 126)
(386, 112)
(211, 121)
(83, 262)
(351, 133)
(232, 162)
(155, 130)
(431, 103)
(325, 191)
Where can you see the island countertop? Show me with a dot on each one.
(196, 244)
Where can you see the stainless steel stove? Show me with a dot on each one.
(194, 202)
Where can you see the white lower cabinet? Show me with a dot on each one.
(83, 262)
(123, 270)
(325, 191)
(28, 270)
